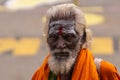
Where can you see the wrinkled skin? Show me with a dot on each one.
(64, 41)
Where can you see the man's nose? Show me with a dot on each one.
(61, 44)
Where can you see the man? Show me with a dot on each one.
(69, 39)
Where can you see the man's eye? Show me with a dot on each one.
(53, 37)
(69, 37)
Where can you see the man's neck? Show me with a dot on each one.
(67, 76)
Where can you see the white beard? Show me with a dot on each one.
(61, 67)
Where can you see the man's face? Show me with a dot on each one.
(62, 39)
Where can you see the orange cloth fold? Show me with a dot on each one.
(43, 72)
(108, 71)
(85, 68)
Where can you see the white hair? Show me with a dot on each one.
(64, 10)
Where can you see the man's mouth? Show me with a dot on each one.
(61, 55)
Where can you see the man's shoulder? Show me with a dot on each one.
(104, 66)
(107, 67)
(106, 70)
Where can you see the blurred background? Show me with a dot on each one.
(22, 42)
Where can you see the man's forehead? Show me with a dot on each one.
(62, 26)
(62, 22)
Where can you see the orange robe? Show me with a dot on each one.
(84, 69)
(108, 71)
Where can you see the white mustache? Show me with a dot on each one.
(63, 50)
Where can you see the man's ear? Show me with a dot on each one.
(83, 39)
(87, 38)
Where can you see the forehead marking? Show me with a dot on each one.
(60, 30)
